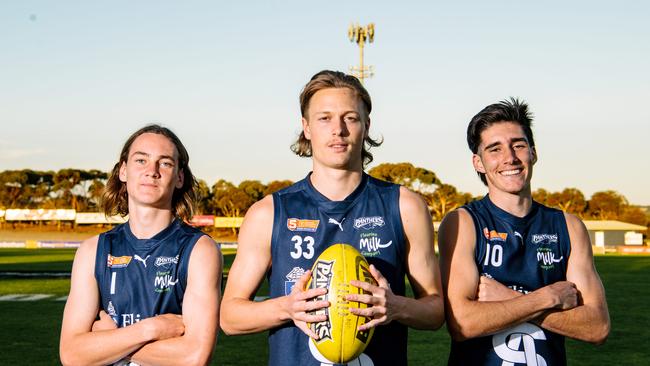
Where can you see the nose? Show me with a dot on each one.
(511, 156)
(153, 170)
(339, 127)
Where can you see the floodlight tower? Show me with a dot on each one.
(360, 35)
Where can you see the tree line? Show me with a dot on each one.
(81, 190)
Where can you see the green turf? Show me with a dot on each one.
(30, 329)
(36, 260)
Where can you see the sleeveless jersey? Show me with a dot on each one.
(141, 278)
(305, 224)
(525, 254)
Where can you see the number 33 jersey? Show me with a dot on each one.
(525, 254)
(305, 224)
(141, 278)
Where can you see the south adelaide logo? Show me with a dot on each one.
(367, 223)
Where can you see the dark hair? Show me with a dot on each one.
(115, 198)
(511, 110)
(327, 79)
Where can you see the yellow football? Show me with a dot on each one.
(339, 340)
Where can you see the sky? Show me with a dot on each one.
(78, 77)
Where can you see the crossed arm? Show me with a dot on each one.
(478, 306)
(162, 340)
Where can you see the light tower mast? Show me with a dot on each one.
(360, 35)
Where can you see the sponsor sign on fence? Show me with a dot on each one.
(98, 218)
(228, 221)
(202, 220)
(39, 215)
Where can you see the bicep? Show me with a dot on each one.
(253, 256)
(82, 305)
(422, 264)
(457, 242)
(201, 299)
(581, 270)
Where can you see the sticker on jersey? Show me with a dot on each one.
(546, 258)
(369, 223)
(302, 225)
(292, 277)
(165, 261)
(370, 244)
(493, 235)
(164, 281)
(118, 262)
(321, 278)
(517, 345)
(544, 238)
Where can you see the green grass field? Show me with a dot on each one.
(31, 329)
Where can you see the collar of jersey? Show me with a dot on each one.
(507, 216)
(328, 205)
(154, 240)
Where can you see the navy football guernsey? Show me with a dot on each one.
(141, 278)
(524, 254)
(305, 224)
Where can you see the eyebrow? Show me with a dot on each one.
(516, 139)
(149, 155)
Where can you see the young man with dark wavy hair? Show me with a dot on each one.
(518, 276)
(284, 233)
(154, 282)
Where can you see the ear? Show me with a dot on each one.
(181, 179)
(534, 153)
(305, 128)
(478, 163)
(122, 174)
(365, 134)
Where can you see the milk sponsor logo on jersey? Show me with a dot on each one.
(370, 244)
(321, 278)
(493, 235)
(544, 238)
(294, 224)
(165, 261)
(547, 258)
(369, 223)
(293, 276)
(118, 262)
(164, 281)
(516, 346)
(143, 260)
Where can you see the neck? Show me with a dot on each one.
(336, 184)
(145, 222)
(516, 204)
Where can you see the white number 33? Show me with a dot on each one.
(308, 252)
